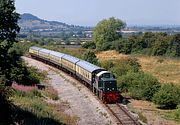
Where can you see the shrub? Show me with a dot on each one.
(90, 57)
(123, 66)
(89, 45)
(139, 85)
(107, 64)
(167, 97)
(26, 75)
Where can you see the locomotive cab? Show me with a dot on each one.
(106, 87)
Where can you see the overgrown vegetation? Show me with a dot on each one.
(32, 109)
(50, 93)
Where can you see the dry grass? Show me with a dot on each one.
(166, 70)
(148, 110)
(110, 55)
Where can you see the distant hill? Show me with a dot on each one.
(29, 22)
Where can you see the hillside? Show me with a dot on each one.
(165, 69)
(31, 23)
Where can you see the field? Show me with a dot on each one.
(165, 69)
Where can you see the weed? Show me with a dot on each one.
(142, 117)
(51, 93)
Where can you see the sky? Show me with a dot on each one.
(90, 12)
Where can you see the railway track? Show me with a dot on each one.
(122, 115)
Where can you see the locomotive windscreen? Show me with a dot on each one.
(110, 86)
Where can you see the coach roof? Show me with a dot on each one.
(45, 51)
(88, 66)
(57, 54)
(70, 58)
(35, 48)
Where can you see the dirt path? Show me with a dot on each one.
(81, 101)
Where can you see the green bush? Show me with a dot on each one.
(168, 97)
(26, 75)
(107, 64)
(89, 45)
(90, 57)
(123, 66)
(139, 85)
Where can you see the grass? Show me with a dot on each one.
(34, 110)
(165, 69)
(173, 115)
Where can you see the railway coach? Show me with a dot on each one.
(99, 80)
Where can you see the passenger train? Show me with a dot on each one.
(99, 80)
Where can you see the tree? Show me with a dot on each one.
(89, 45)
(122, 46)
(8, 21)
(174, 46)
(161, 44)
(90, 57)
(107, 31)
(8, 31)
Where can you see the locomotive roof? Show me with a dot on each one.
(35, 48)
(57, 54)
(102, 72)
(88, 66)
(70, 58)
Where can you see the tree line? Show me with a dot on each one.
(107, 36)
(154, 44)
